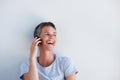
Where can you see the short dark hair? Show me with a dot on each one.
(40, 26)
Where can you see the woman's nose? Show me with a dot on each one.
(51, 36)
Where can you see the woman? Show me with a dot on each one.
(48, 65)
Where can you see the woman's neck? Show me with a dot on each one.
(46, 57)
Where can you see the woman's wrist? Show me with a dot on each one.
(32, 58)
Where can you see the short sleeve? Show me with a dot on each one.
(24, 69)
(69, 67)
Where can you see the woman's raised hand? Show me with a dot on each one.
(33, 48)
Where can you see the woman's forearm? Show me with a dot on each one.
(33, 72)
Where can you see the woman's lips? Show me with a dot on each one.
(50, 42)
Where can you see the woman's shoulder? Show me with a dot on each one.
(63, 59)
(67, 65)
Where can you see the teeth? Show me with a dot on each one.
(50, 42)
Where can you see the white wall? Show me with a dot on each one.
(88, 32)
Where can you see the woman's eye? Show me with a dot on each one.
(46, 34)
(55, 35)
(50, 35)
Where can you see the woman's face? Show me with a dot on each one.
(48, 37)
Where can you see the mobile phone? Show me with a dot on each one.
(40, 40)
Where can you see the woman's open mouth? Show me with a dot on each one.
(50, 44)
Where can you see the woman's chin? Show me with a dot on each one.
(49, 47)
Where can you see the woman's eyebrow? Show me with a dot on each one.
(50, 31)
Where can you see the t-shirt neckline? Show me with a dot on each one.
(39, 65)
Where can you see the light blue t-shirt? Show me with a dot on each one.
(58, 70)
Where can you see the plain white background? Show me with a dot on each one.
(88, 31)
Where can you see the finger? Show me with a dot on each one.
(38, 42)
(35, 40)
(38, 38)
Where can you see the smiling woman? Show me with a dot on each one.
(48, 65)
